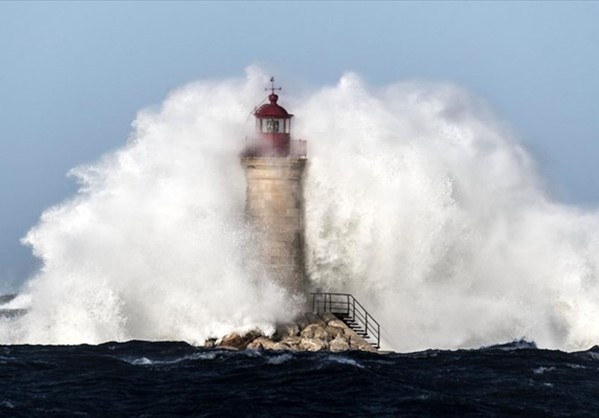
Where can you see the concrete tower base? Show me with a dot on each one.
(275, 205)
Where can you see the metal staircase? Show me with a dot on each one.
(347, 308)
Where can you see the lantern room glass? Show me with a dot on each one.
(274, 126)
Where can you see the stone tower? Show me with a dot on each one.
(274, 165)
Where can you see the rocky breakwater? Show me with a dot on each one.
(311, 332)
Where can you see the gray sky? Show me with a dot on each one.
(74, 74)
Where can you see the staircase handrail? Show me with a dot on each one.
(347, 304)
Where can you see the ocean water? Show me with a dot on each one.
(168, 378)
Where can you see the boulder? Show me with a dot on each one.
(240, 342)
(316, 331)
(288, 345)
(312, 344)
(264, 343)
(337, 323)
(277, 346)
(255, 333)
(340, 343)
(292, 342)
(286, 330)
(210, 343)
(359, 343)
(350, 332)
(233, 340)
(255, 345)
(333, 332)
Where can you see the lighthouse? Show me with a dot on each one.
(274, 165)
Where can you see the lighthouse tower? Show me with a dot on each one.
(274, 165)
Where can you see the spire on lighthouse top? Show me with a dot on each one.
(272, 109)
(272, 96)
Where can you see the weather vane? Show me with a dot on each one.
(272, 86)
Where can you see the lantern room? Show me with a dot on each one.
(273, 126)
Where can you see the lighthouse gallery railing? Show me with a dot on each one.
(298, 148)
(349, 310)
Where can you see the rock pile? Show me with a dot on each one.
(311, 332)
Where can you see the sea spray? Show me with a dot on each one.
(155, 246)
(418, 201)
(426, 208)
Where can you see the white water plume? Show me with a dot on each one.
(417, 201)
(426, 208)
(154, 245)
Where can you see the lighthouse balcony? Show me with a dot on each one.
(258, 147)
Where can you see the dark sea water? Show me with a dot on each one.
(173, 379)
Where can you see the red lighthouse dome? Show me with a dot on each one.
(272, 109)
(273, 126)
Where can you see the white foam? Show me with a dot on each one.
(344, 360)
(575, 366)
(7, 404)
(141, 361)
(543, 370)
(279, 359)
(144, 361)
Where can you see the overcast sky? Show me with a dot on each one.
(74, 74)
